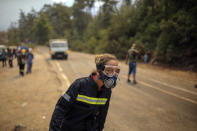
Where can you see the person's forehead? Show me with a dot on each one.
(112, 62)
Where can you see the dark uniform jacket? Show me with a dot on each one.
(21, 59)
(82, 108)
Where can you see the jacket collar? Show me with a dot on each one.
(92, 81)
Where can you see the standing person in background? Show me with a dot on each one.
(85, 105)
(149, 55)
(22, 61)
(14, 52)
(132, 58)
(3, 57)
(10, 58)
(18, 53)
(30, 58)
(145, 58)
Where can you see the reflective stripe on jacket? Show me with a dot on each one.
(82, 108)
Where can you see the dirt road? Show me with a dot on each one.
(162, 100)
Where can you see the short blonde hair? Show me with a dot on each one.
(133, 46)
(102, 59)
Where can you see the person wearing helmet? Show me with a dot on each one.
(22, 61)
(85, 104)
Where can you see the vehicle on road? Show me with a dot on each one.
(58, 48)
(1, 49)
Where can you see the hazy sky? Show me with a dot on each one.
(10, 9)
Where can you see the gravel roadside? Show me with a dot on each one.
(26, 103)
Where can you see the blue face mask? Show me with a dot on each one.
(109, 82)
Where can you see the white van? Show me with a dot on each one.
(58, 48)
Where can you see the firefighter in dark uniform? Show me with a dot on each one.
(85, 104)
(22, 61)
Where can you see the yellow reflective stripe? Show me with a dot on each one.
(92, 98)
(89, 102)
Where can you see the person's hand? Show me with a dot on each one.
(126, 62)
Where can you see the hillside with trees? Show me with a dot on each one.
(167, 27)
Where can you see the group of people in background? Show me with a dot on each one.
(8, 55)
(23, 55)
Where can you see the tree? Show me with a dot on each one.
(42, 30)
(60, 18)
(81, 18)
(13, 35)
(26, 23)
